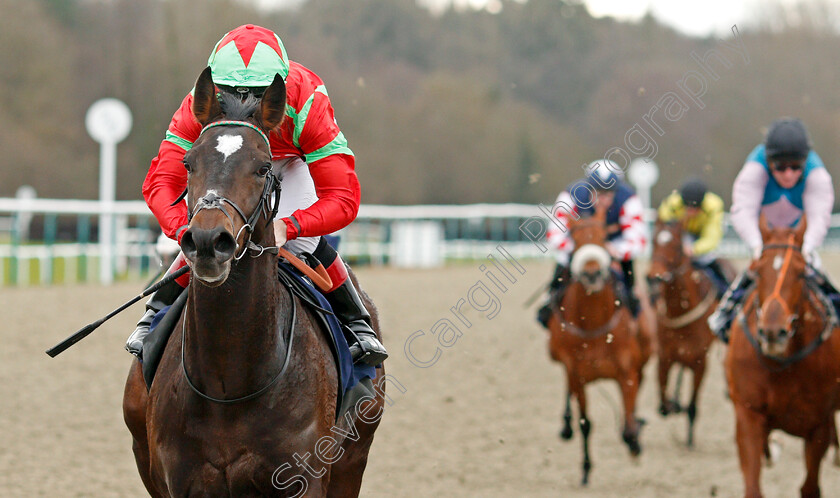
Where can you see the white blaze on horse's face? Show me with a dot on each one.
(228, 144)
(777, 262)
(664, 237)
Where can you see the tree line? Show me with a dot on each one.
(458, 107)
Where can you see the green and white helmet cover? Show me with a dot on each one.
(248, 56)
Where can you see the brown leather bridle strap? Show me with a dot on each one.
(318, 275)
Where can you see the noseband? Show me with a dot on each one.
(212, 200)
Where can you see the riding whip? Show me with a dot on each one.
(85, 331)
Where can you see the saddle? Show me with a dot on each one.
(354, 381)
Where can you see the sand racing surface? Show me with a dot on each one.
(480, 420)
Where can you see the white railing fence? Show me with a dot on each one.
(46, 241)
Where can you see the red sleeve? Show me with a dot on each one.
(167, 177)
(331, 162)
(339, 195)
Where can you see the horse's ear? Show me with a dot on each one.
(799, 230)
(273, 105)
(764, 227)
(205, 105)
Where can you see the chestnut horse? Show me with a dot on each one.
(685, 297)
(783, 361)
(594, 336)
(246, 390)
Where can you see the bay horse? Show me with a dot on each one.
(783, 361)
(246, 390)
(595, 336)
(684, 298)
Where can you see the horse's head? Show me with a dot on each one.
(780, 272)
(590, 260)
(668, 255)
(230, 181)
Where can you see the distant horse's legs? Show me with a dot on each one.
(629, 389)
(566, 431)
(698, 372)
(666, 406)
(750, 434)
(585, 426)
(815, 448)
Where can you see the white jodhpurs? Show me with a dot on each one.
(298, 193)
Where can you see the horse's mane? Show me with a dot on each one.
(235, 108)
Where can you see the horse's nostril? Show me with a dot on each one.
(188, 245)
(224, 246)
(216, 243)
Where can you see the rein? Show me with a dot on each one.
(258, 392)
(592, 334)
(688, 317)
(691, 315)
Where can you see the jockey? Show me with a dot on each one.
(626, 229)
(701, 214)
(782, 179)
(321, 192)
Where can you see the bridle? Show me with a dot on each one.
(827, 316)
(212, 200)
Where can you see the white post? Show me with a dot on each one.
(108, 121)
(643, 173)
(107, 196)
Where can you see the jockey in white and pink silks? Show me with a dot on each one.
(627, 233)
(782, 179)
(321, 192)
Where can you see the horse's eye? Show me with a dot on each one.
(187, 166)
(264, 169)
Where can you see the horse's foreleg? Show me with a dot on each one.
(135, 399)
(566, 431)
(815, 448)
(675, 399)
(750, 435)
(585, 426)
(664, 367)
(629, 384)
(698, 372)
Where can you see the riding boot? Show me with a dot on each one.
(559, 282)
(721, 319)
(348, 307)
(633, 303)
(158, 300)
